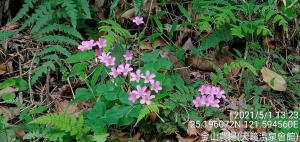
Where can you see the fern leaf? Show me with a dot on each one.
(71, 10)
(54, 48)
(86, 8)
(4, 35)
(137, 6)
(41, 22)
(62, 28)
(39, 12)
(42, 70)
(75, 126)
(146, 110)
(28, 4)
(239, 63)
(217, 36)
(58, 39)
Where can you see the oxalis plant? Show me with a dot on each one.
(124, 91)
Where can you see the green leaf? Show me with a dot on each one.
(100, 137)
(8, 96)
(146, 110)
(137, 6)
(163, 63)
(184, 12)
(81, 56)
(38, 110)
(82, 94)
(115, 113)
(150, 57)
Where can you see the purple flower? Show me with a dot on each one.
(101, 43)
(197, 102)
(138, 20)
(148, 77)
(86, 45)
(125, 69)
(114, 72)
(128, 55)
(202, 89)
(133, 97)
(147, 99)
(107, 59)
(140, 91)
(214, 90)
(98, 52)
(215, 103)
(155, 86)
(221, 94)
(136, 76)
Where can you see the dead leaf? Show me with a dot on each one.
(128, 14)
(200, 63)
(269, 43)
(191, 130)
(158, 42)
(9, 112)
(148, 46)
(186, 139)
(3, 68)
(65, 106)
(274, 80)
(152, 116)
(19, 133)
(179, 67)
(187, 45)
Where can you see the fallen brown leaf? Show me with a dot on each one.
(128, 14)
(19, 133)
(179, 67)
(191, 130)
(65, 106)
(8, 90)
(152, 116)
(274, 80)
(3, 68)
(188, 44)
(148, 46)
(200, 63)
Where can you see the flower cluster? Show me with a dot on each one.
(144, 92)
(211, 96)
(141, 92)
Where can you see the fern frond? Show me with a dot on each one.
(217, 36)
(62, 28)
(147, 110)
(54, 48)
(70, 124)
(43, 69)
(238, 64)
(71, 10)
(4, 35)
(28, 4)
(86, 8)
(41, 22)
(58, 39)
(40, 11)
(137, 6)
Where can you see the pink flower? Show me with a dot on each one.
(86, 45)
(214, 90)
(203, 101)
(148, 77)
(136, 76)
(147, 99)
(202, 89)
(114, 72)
(125, 69)
(133, 97)
(197, 102)
(221, 94)
(140, 91)
(215, 103)
(128, 55)
(155, 86)
(207, 90)
(138, 20)
(98, 52)
(101, 43)
(107, 59)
